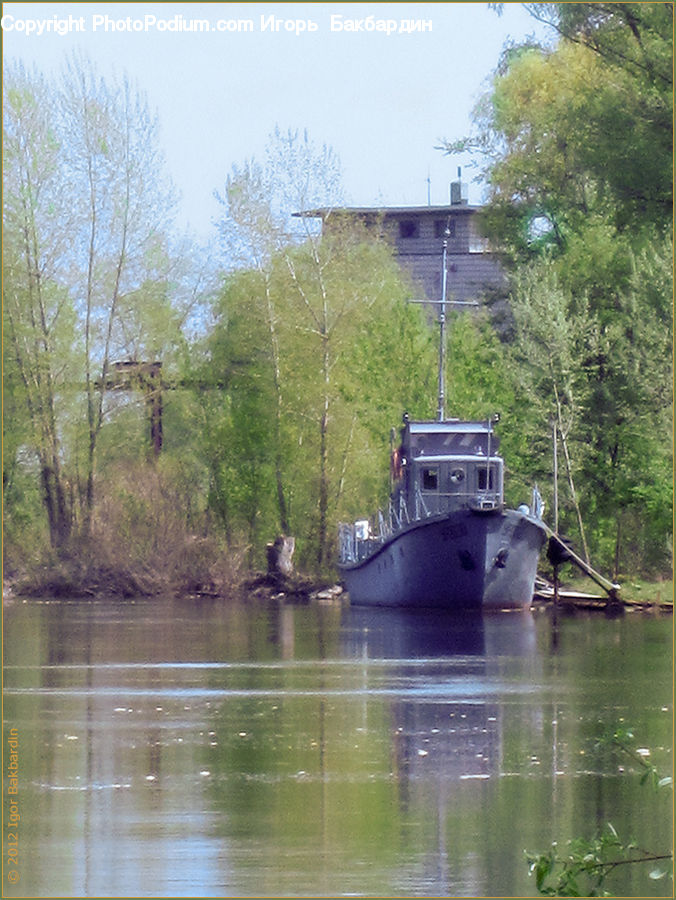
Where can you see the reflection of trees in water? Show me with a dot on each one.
(248, 747)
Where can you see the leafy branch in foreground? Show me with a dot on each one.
(620, 739)
(587, 864)
(582, 870)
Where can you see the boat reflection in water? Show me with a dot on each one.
(447, 675)
(455, 691)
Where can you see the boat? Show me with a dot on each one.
(446, 539)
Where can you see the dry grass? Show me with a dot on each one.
(145, 539)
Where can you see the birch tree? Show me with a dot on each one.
(337, 335)
(554, 331)
(251, 233)
(257, 227)
(38, 312)
(123, 205)
(86, 224)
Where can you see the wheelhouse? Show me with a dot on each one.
(450, 465)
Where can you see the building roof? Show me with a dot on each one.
(323, 212)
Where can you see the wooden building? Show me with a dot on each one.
(417, 234)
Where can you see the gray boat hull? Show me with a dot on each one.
(466, 559)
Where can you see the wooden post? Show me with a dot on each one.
(130, 375)
(555, 614)
(153, 387)
(279, 554)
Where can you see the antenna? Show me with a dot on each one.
(429, 188)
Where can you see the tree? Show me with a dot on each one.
(582, 869)
(38, 312)
(89, 270)
(240, 417)
(311, 409)
(553, 332)
(258, 203)
(579, 134)
(316, 307)
(123, 203)
(252, 232)
(635, 37)
(628, 460)
(575, 140)
(341, 291)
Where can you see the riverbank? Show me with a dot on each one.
(92, 571)
(75, 580)
(634, 593)
(79, 580)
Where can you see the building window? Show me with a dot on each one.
(430, 479)
(440, 228)
(409, 228)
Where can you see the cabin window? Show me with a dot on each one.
(482, 479)
(430, 479)
(408, 228)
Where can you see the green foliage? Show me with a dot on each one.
(575, 139)
(582, 870)
(238, 445)
(90, 277)
(477, 386)
(579, 133)
(605, 381)
(328, 346)
(284, 391)
(40, 354)
(315, 348)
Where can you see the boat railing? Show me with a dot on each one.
(360, 539)
(421, 510)
(537, 504)
(394, 517)
(349, 542)
(398, 513)
(403, 511)
(357, 541)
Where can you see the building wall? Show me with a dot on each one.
(470, 275)
(417, 236)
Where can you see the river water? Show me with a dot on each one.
(178, 748)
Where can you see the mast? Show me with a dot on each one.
(442, 328)
(441, 412)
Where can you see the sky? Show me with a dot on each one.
(383, 97)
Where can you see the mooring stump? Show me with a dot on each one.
(279, 553)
